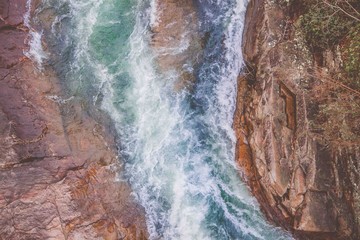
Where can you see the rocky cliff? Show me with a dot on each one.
(58, 166)
(297, 122)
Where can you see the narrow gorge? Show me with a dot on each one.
(179, 119)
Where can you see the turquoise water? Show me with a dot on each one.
(178, 146)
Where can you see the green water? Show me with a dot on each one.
(178, 147)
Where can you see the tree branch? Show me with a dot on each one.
(342, 10)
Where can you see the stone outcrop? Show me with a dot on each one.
(176, 39)
(58, 166)
(304, 174)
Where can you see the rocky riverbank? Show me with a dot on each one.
(297, 125)
(58, 166)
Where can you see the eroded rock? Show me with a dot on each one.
(176, 39)
(58, 166)
(299, 173)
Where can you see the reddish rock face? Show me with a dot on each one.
(300, 175)
(13, 11)
(58, 166)
(176, 27)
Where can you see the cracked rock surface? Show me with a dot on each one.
(305, 178)
(58, 166)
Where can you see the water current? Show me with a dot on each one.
(178, 146)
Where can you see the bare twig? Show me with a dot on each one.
(342, 10)
(347, 2)
(321, 76)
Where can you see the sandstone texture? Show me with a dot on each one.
(58, 166)
(176, 39)
(297, 130)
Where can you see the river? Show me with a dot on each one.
(178, 146)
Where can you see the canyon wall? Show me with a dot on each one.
(297, 127)
(58, 166)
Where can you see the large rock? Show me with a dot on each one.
(176, 39)
(305, 178)
(58, 166)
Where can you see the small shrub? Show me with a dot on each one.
(351, 56)
(323, 26)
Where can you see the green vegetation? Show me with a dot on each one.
(351, 55)
(327, 24)
(331, 29)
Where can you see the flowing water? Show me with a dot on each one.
(178, 146)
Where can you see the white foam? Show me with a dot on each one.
(168, 162)
(36, 51)
(154, 13)
(27, 14)
(59, 100)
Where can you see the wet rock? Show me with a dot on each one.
(176, 39)
(58, 166)
(12, 12)
(300, 173)
(319, 215)
(12, 45)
